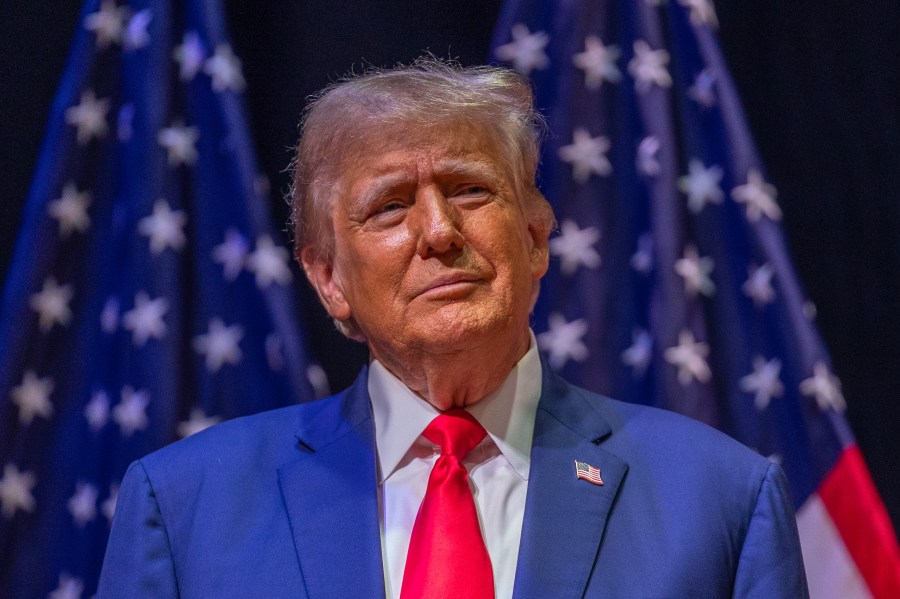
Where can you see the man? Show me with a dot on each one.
(458, 464)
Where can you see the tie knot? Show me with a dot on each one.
(456, 431)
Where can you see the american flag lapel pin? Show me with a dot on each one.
(588, 472)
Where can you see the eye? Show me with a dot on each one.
(471, 190)
(471, 193)
(390, 207)
(388, 212)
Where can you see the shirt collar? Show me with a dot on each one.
(507, 414)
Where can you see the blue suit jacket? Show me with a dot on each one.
(284, 504)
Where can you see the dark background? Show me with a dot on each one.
(820, 85)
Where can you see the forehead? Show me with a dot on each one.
(456, 147)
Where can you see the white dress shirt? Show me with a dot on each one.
(498, 466)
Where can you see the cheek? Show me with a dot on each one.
(369, 278)
(513, 250)
(359, 251)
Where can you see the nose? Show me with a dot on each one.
(439, 224)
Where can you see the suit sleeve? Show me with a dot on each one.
(771, 565)
(138, 561)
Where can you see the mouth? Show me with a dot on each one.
(450, 285)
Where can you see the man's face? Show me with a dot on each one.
(433, 248)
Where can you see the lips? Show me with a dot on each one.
(449, 283)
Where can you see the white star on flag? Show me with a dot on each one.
(219, 344)
(763, 382)
(648, 67)
(52, 304)
(109, 316)
(758, 285)
(136, 35)
(83, 504)
(179, 141)
(190, 56)
(108, 507)
(703, 91)
(575, 247)
(69, 588)
(642, 259)
(587, 155)
(231, 254)
(107, 23)
(598, 62)
(32, 396)
(145, 320)
(269, 263)
(639, 353)
(526, 50)
(318, 379)
(71, 210)
(825, 387)
(130, 413)
(758, 196)
(695, 272)
(96, 412)
(197, 422)
(701, 185)
(15, 491)
(225, 69)
(88, 117)
(647, 162)
(689, 356)
(809, 310)
(702, 12)
(562, 340)
(164, 228)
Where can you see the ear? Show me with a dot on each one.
(540, 223)
(320, 272)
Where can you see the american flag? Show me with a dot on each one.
(149, 294)
(588, 472)
(671, 283)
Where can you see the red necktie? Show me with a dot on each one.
(447, 557)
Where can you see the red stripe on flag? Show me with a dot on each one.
(852, 501)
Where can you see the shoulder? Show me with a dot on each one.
(659, 424)
(260, 442)
(234, 436)
(656, 425)
(658, 441)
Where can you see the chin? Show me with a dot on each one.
(458, 326)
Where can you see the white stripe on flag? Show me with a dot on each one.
(830, 570)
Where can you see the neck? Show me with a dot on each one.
(454, 378)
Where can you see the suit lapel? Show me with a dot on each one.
(565, 517)
(331, 498)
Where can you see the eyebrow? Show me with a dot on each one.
(381, 185)
(476, 168)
